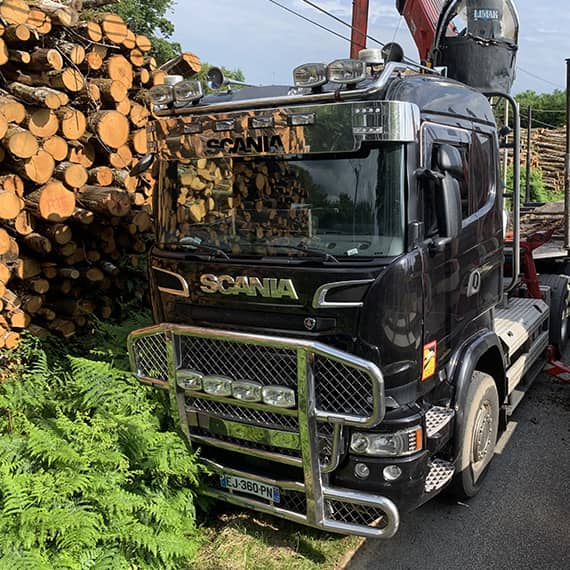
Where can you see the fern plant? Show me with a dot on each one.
(89, 479)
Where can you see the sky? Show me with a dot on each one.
(267, 43)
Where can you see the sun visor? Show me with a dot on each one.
(313, 129)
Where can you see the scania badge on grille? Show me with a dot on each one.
(268, 287)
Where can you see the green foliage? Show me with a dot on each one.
(538, 191)
(148, 17)
(542, 104)
(89, 479)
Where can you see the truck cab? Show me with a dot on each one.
(328, 283)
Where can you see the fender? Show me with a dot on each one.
(464, 363)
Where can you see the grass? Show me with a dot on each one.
(237, 539)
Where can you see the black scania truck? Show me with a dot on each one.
(342, 326)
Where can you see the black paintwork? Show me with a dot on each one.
(417, 298)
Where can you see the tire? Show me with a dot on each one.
(477, 436)
(559, 310)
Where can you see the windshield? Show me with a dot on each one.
(338, 207)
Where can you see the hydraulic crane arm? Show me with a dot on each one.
(422, 17)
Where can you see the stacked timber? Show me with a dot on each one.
(73, 223)
(548, 155)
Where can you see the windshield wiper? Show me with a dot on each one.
(205, 248)
(325, 255)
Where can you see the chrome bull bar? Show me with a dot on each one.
(157, 353)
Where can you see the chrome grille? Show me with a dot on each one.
(264, 364)
(230, 412)
(341, 388)
(355, 514)
(150, 355)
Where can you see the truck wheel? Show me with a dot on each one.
(559, 309)
(478, 436)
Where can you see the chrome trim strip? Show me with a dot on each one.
(246, 432)
(184, 292)
(270, 456)
(287, 485)
(334, 96)
(320, 298)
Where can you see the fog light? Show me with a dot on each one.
(392, 472)
(278, 396)
(161, 95)
(310, 75)
(188, 91)
(362, 471)
(189, 379)
(348, 71)
(246, 391)
(217, 385)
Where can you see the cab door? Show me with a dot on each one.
(462, 278)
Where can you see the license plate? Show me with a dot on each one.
(243, 485)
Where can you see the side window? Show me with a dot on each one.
(482, 169)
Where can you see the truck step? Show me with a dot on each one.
(440, 473)
(437, 418)
(516, 323)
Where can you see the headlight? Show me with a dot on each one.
(161, 95)
(397, 444)
(310, 75)
(188, 91)
(189, 379)
(278, 396)
(217, 385)
(347, 71)
(246, 391)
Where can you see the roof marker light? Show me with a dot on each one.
(224, 125)
(310, 75)
(347, 71)
(301, 119)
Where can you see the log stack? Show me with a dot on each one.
(548, 155)
(73, 223)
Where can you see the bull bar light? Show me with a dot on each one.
(347, 71)
(310, 75)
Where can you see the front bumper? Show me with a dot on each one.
(335, 391)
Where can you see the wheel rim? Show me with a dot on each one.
(482, 444)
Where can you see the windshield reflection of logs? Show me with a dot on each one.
(241, 202)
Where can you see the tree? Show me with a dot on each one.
(148, 17)
(548, 109)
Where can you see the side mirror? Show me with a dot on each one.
(449, 211)
(143, 164)
(449, 160)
